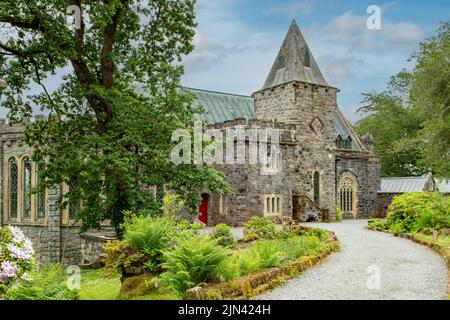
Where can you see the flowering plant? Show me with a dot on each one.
(17, 257)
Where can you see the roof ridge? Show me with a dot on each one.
(411, 177)
(219, 92)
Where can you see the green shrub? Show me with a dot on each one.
(223, 234)
(259, 228)
(194, 261)
(120, 255)
(173, 205)
(412, 211)
(150, 235)
(306, 245)
(267, 253)
(262, 255)
(291, 227)
(378, 223)
(319, 233)
(49, 283)
(338, 214)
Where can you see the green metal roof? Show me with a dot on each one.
(220, 107)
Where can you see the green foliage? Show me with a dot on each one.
(224, 236)
(296, 247)
(173, 205)
(259, 228)
(120, 255)
(409, 121)
(194, 261)
(49, 283)
(150, 235)
(112, 114)
(95, 286)
(338, 214)
(378, 223)
(412, 211)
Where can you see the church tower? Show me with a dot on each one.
(296, 93)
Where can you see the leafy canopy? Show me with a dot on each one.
(410, 120)
(117, 102)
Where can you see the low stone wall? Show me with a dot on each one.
(257, 283)
(92, 247)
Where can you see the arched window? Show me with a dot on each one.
(74, 207)
(347, 195)
(26, 191)
(13, 182)
(41, 194)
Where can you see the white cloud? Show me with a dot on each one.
(340, 69)
(293, 9)
(350, 30)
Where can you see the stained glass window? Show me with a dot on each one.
(41, 195)
(75, 206)
(26, 188)
(13, 188)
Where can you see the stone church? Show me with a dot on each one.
(321, 164)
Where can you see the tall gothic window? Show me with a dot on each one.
(13, 182)
(347, 194)
(75, 206)
(26, 196)
(41, 194)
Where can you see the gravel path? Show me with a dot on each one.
(407, 270)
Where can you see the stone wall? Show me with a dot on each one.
(92, 245)
(311, 108)
(366, 170)
(251, 185)
(383, 202)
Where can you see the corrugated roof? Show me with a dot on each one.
(403, 184)
(220, 107)
(443, 185)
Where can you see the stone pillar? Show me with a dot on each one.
(54, 225)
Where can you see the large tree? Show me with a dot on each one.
(118, 100)
(410, 120)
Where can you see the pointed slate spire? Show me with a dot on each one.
(294, 62)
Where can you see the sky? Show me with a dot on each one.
(237, 42)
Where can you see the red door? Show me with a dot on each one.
(203, 209)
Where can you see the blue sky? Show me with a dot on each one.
(237, 41)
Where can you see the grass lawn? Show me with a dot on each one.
(96, 287)
(443, 241)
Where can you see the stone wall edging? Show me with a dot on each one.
(433, 246)
(261, 281)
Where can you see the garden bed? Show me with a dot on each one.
(257, 283)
